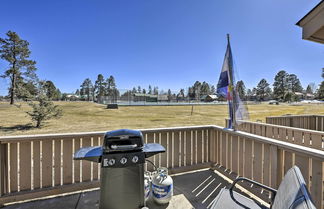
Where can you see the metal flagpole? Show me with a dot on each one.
(231, 83)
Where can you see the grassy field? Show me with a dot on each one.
(87, 116)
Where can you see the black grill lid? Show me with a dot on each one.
(123, 140)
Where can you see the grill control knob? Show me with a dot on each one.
(123, 160)
(135, 159)
(111, 161)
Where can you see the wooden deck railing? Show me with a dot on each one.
(313, 122)
(36, 166)
(304, 137)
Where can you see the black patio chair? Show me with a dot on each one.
(291, 194)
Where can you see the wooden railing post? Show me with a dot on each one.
(3, 169)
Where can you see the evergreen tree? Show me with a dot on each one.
(249, 94)
(49, 90)
(77, 92)
(26, 90)
(134, 91)
(294, 84)
(43, 110)
(112, 88)
(196, 90)
(58, 94)
(212, 89)
(156, 90)
(241, 90)
(204, 89)
(263, 90)
(149, 89)
(309, 89)
(139, 89)
(280, 86)
(100, 86)
(16, 52)
(169, 95)
(144, 91)
(86, 88)
(320, 92)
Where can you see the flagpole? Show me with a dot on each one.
(232, 85)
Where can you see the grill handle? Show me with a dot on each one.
(123, 147)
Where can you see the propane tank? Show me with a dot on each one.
(147, 185)
(162, 186)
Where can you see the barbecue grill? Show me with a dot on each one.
(122, 159)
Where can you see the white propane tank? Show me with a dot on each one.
(162, 186)
(147, 185)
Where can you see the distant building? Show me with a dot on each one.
(312, 24)
(145, 97)
(163, 98)
(209, 98)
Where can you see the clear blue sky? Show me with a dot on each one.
(167, 43)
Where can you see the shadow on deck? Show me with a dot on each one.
(196, 189)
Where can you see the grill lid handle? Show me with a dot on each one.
(123, 147)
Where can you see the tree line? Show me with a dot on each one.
(286, 88)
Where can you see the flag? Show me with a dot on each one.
(226, 88)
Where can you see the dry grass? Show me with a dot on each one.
(85, 117)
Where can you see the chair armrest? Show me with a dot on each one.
(273, 191)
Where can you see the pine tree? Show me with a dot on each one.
(100, 86)
(139, 89)
(280, 86)
(49, 90)
(149, 89)
(111, 89)
(263, 90)
(309, 89)
(169, 95)
(294, 84)
(43, 110)
(320, 92)
(86, 88)
(241, 90)
(16, 52)
(156, 90)
(204, 89)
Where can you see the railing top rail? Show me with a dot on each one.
(286, 145)
(7, 139)
(287, 116)
(286, 127)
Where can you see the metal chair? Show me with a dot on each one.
(291, 194)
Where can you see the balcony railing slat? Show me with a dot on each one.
(67, 161)
(235, 154)
(86, 165)
(77, 164)
(47, 157)
(13, 163)
(266, 164)
(176, 149)
(302, 162)
(36, 164)
(257, 162)
(164, 143)
(57, 162)
(25, 166)
(317, 182)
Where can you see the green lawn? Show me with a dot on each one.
(87, 116)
